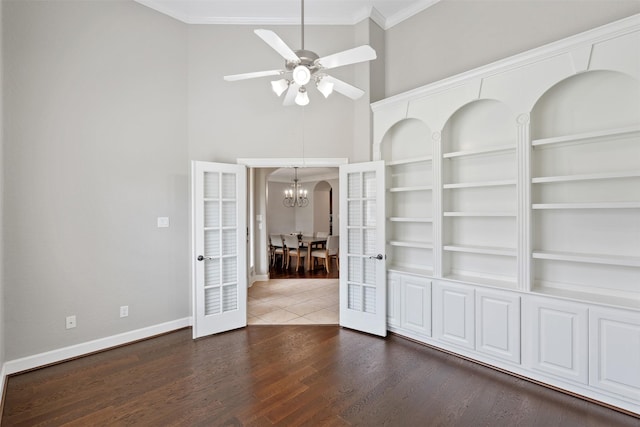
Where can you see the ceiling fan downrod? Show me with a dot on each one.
(302, 24)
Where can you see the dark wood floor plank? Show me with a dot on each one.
(290, 376)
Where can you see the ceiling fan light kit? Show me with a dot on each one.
(280, 86)
(302, 98)
(303, 65)
(325, 87)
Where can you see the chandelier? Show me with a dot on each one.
(296, 195)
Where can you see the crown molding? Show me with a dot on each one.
(407, 13)
(359, 15)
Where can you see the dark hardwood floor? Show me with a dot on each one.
(287, 375)
(277, 272)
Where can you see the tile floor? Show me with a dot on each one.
(294, 301)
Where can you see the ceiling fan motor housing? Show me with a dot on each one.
(307, 58)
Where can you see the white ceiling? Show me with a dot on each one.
(385, 13)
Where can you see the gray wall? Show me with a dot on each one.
(228, 120)
(2, 322)
(105, 103)
(95, 133)
(454, 36)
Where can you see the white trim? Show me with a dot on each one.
(406, 13)
(597, 35)
(3, 383)
(65, 353)
(334, 19)
(259, 278)
(376, 17)
(289, 162)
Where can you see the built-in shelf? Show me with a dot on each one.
(488, 281)
(481, 214)
(625, 261)
(406, 244)
(597, 295)
(586, 136)
(593, 205)
(479, 151)
(505, 182)
(409, 161)
(407, 219)
(410, 270)
(486, 250)
(586, 177)
(413, 188)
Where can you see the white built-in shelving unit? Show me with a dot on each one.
(585, 187)
(479, 201)
(410, 198)
(513, 213)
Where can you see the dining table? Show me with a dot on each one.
(310, 242)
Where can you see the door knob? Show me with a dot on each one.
(202, 258)
(379, 256)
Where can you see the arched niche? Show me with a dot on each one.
(405, 139)
(481, 123)
(322, 207)
(479, 194)
(586, 102)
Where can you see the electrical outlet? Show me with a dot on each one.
(124, 311)
(71, 321)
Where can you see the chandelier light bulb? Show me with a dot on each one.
(325, 87)
(301, 75)
(279, 86)
(296, 196)
(302, 98)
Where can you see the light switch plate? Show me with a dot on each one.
(163, 221)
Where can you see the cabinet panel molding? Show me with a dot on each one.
(556, 338)
(498, 325)
(614, 341)
(454, 314)
(415, 304)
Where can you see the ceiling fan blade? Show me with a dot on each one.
(245, 76)
(290, 96)
(277, 44)
(347, 57)
(344, 88)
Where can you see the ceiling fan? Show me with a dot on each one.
(304, 66)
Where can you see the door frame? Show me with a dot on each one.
(276, 162)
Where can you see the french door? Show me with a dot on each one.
(363, 294)
(219, 271)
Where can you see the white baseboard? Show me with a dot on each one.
(53, 356)
(260, 278)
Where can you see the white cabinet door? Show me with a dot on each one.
(614, 344)
(393, 299)
(498, 325)
(555, 337)
(415, 303)
(454, 314)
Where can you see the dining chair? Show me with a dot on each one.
(321, 235)
(331, 250)
(276, 247)
(293, 249)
